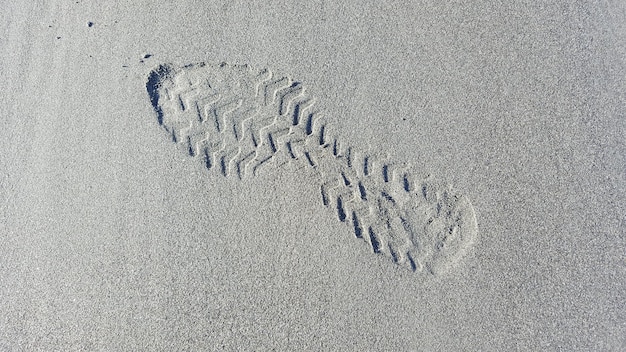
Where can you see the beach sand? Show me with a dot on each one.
(424, 176)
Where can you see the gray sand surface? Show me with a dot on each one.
(111, 239)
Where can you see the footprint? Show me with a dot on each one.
(241, 121)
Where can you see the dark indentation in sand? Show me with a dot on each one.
(309, 125)
(152, 86)
(386, 173)
(362, 191)
(340, 211)
(358, 232)
(374, 241)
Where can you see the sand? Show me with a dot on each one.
(404, 176)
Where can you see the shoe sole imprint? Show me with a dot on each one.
(239, 121)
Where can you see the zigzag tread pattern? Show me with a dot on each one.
(241, 121)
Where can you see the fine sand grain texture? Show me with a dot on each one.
(293, 176)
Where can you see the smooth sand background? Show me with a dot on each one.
(111, 239)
